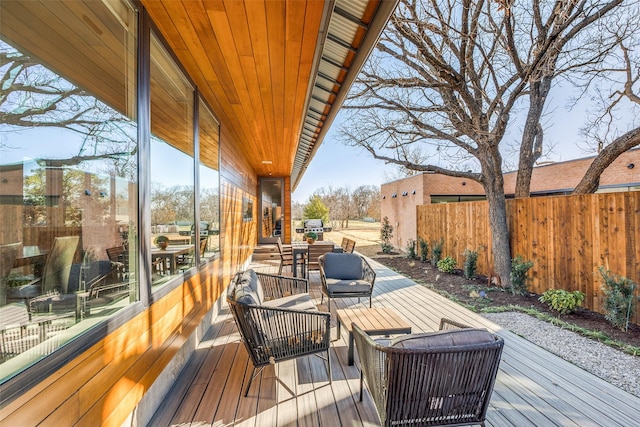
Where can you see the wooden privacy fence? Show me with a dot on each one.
(567, 238)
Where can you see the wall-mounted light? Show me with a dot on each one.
(413, 192)
(394, 195)
(87, 192)
(384, 197)
(631, 166)
(405, 193)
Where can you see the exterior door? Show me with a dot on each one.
(271, 210)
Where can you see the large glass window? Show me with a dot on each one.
(209, 131)
(172, 168)
(68, 172)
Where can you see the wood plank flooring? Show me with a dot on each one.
(533, 387)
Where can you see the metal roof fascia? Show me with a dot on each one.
(383, 13)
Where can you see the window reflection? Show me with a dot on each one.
(67, 173)
(172, 168)
(209, 184)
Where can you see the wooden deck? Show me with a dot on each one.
(533, 387)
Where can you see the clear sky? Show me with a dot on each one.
(336, 165)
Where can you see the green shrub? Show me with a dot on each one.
(424, 250)
(619, 299)
(411, 249)
(447, 265)
(386, 233)
(519, 269)
(470, 263)
(436, 251)
(562, 301)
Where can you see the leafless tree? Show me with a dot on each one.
(33, 96)
(564, 37)
(171, 204)
(617, 88)
(448, 75)
(366, 202)
(337, 201)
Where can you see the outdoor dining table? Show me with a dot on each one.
(300, 249)
(171, 253)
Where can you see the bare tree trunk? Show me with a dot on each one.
(494, 189)
(591, 179)
(532, 136)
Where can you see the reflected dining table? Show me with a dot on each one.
(30, 255)
(172, 252)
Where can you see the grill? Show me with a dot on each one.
(314, 225)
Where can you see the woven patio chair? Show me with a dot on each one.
(345, 275)
(277, 320)
(435, 379)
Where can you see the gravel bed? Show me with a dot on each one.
(615, 367)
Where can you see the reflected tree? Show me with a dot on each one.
(34, 97)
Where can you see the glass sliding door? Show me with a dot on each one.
(271, 210)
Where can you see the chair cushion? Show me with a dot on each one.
(245, 295)
(294, 302)
(450, 338)
(248, 289)
(254, 282)
(336, 286)
(342, 266)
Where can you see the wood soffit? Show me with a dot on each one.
(274, 72)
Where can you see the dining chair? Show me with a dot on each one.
(286, 255)
(314, 252)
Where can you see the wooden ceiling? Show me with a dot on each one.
(273, 71)
(256, 63)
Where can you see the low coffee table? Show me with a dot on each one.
(373, 321)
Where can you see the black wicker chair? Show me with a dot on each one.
(346, 275)
(436, 379)
(278, 321)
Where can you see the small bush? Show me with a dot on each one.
(564, 302)
(619, 299)
(386, 233)
(411, 249)
(436, 251)
(424, 250)
(470, 263)
(447, 265)
(519, 269)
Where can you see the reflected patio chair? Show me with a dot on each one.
(57, 269)
(189, 260)
(8, 254)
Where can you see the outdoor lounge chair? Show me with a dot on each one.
(277, 319)
(346, 275)
(431, 379)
